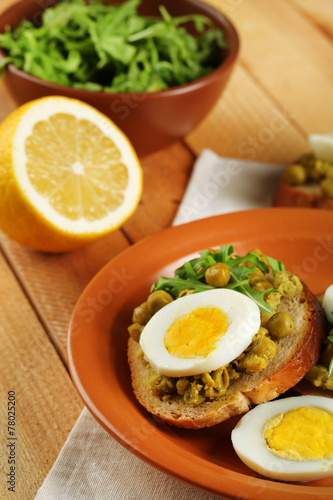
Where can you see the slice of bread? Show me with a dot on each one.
(307, 195)
(295, 355)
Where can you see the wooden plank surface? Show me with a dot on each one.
(283, 84)
(318, 13)
(47, 405)
(280, 92)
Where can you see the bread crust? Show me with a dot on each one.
(294, 357)
(301, 196)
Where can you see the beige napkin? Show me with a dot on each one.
(222, 185)
(94, 466)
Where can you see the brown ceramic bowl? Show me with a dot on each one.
(150, 120)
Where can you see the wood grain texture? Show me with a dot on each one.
(166, 174)
(282, 84)
(53, 283)
(7, 103)
(47, 405)
(279, 92)
(317, 12)
(263, 131)
(298, 67)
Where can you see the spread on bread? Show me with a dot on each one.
(252, 278)
(309, 181)
(321, 374)
(283, 346)
(311, 173)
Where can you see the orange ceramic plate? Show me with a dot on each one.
(301, 238)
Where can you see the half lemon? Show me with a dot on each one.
(68, 175)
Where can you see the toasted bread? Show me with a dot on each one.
(307, 195)
(305, 387)
(295, 355)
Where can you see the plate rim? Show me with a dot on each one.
(304, 217)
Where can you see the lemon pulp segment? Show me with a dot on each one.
(78, 169)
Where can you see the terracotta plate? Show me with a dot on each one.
(301, 238)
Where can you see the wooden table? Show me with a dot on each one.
(281, 90)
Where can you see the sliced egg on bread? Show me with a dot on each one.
(200, 332)
(288, 439)
(328, 303)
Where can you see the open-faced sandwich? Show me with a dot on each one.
(224, 333)
(319, 379)
(309, 181)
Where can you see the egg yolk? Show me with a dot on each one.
(304, 433)
(196, 333)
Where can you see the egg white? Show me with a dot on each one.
(243, 318)
(322, 146)
(250, 445)
(328, 303)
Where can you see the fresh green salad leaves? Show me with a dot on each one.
(112, 48)
(330, 368)
(192, 274)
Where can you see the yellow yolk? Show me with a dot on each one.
(200, 332)
(196, 333)
(304, 433)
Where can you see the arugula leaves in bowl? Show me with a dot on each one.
(112, 48)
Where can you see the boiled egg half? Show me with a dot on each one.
(288, 439)
(200, 332)
(322, 146)
(328, 303)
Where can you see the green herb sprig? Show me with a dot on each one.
(192, 274)
(112, 48)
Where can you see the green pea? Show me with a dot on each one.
(313, 166)
(158, 299)
(141, 314)
(322, 167)
(307, 160)
(217, 275)
(261, 286)
(327, 187)
(295, 175)
(182, 384)
(280, 325)
(256, 251)
(135, 331)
